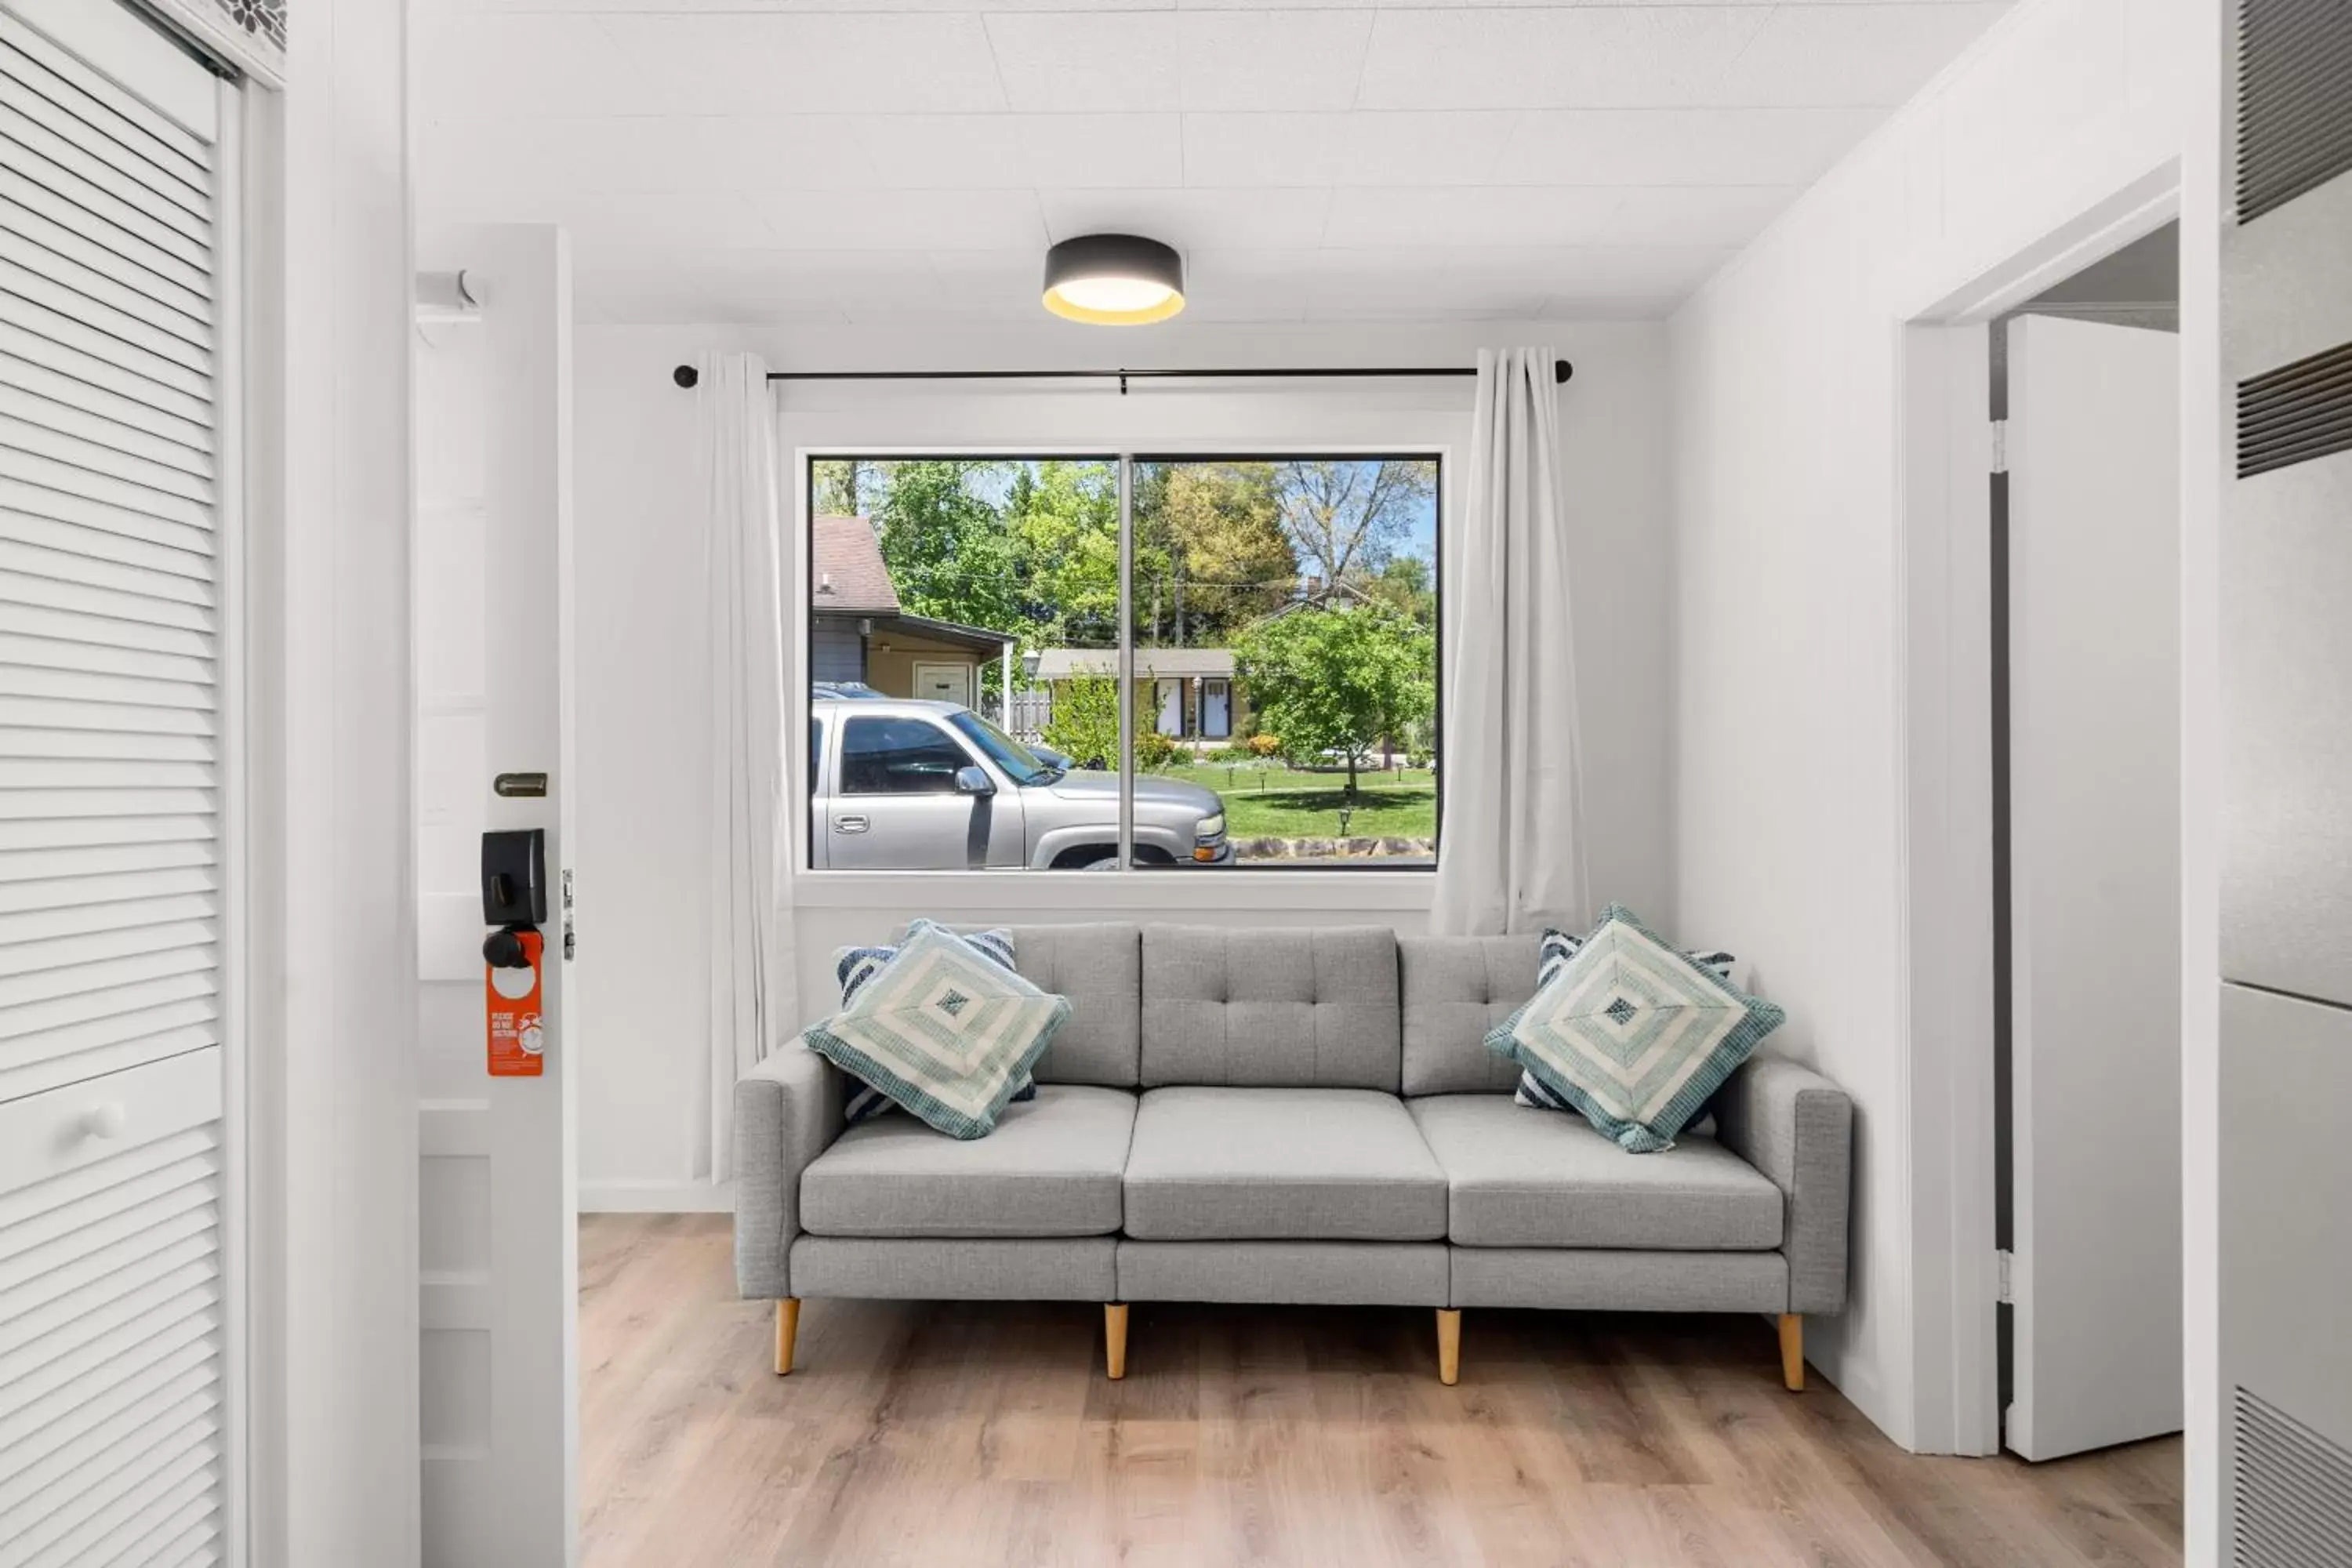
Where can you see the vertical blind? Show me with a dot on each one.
(113, 1446)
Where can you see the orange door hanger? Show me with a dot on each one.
(518, 1037)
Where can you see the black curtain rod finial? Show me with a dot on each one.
(686, 375)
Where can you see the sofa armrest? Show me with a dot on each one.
(787, 1109)
(1796, 1127)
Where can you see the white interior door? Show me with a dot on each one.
(122, 1044)
(497, 1185)
(2094, 808)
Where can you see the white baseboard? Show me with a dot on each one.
(656, 1198)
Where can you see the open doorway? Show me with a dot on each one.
(2085, 795)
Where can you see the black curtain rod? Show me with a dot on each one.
(687, 375)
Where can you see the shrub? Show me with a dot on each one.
(1153, 751)
(1264, 745)
(1231, 754)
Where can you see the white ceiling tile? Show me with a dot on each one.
(882, 220)
(1677, 146)
(1072, 63)
(1248, 285)
(1850, 54)
(1553, 214)
(1559, 58)
(990, 285)
(941, 151)
(1454, 216)
(1074, 150)
(1274, 148)
(526, 67)
(1190, 219)
(1272, 59)
(823, 62)
(1428, 148)
(1431, 148)
(520, 158)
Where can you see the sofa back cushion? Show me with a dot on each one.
(1455, 988)
(1099, 966)
(1294, 1007)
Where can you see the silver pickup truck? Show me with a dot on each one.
(901, 784)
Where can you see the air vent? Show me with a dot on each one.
(2295, 412)
(2292, 1500)
(2295, 100)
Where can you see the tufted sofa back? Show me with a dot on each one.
(1299, 1007)
(1455, 989)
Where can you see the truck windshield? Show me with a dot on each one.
(1025, 765)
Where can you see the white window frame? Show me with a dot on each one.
(1125, 889)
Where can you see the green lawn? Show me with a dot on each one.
(1279, 803)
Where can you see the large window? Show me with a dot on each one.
(1268, 699)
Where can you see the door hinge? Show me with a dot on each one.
(2001, 1290)
(570, 940)
(2000, 446)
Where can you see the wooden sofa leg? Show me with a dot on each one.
(1792, 1351)
(788, 1328)
(1115, 1338)
(1449, 1345)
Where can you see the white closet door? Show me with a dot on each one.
(114, 1164)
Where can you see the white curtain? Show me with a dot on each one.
(753, 1004)
(1512, 841)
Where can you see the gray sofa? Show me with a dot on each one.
(1291, 1115)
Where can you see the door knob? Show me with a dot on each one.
(105, 1120)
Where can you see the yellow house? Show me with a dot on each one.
(858, 630)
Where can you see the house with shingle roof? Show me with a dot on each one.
(860, 631)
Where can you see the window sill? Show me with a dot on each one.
(1079, 895)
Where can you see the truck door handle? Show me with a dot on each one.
(850, 825)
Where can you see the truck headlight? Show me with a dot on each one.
(1212, 826)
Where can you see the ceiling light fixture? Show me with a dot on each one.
(1114, 279)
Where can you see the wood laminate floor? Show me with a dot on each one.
(945, 1433)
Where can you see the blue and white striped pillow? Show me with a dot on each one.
(1551, 956)
(852, 967)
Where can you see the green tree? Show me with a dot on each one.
(1407, 583)
(1344, 516)
(951, 555)
(1211, 553)
(1064, 520)
(1347, 678)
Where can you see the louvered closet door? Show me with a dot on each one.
(113, 1170)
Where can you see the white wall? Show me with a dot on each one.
(1788, 738)
(643, 1110)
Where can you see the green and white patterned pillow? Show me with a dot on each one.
(944, 1031)
(1634, 1034)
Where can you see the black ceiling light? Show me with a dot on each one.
(1114, 279)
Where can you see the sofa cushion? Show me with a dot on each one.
(1518, 1177)
(1634, 1034)
(1238, 1164)
(1455, 989)
(854, 968)
(944, 1030)
(1283, 1007)
(1099, 966)
(1051, 1168)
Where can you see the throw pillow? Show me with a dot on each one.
(1634, 1034)
(854, 966)
(943, 1031)
(1555, 949)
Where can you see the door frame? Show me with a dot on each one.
(1943, 607)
